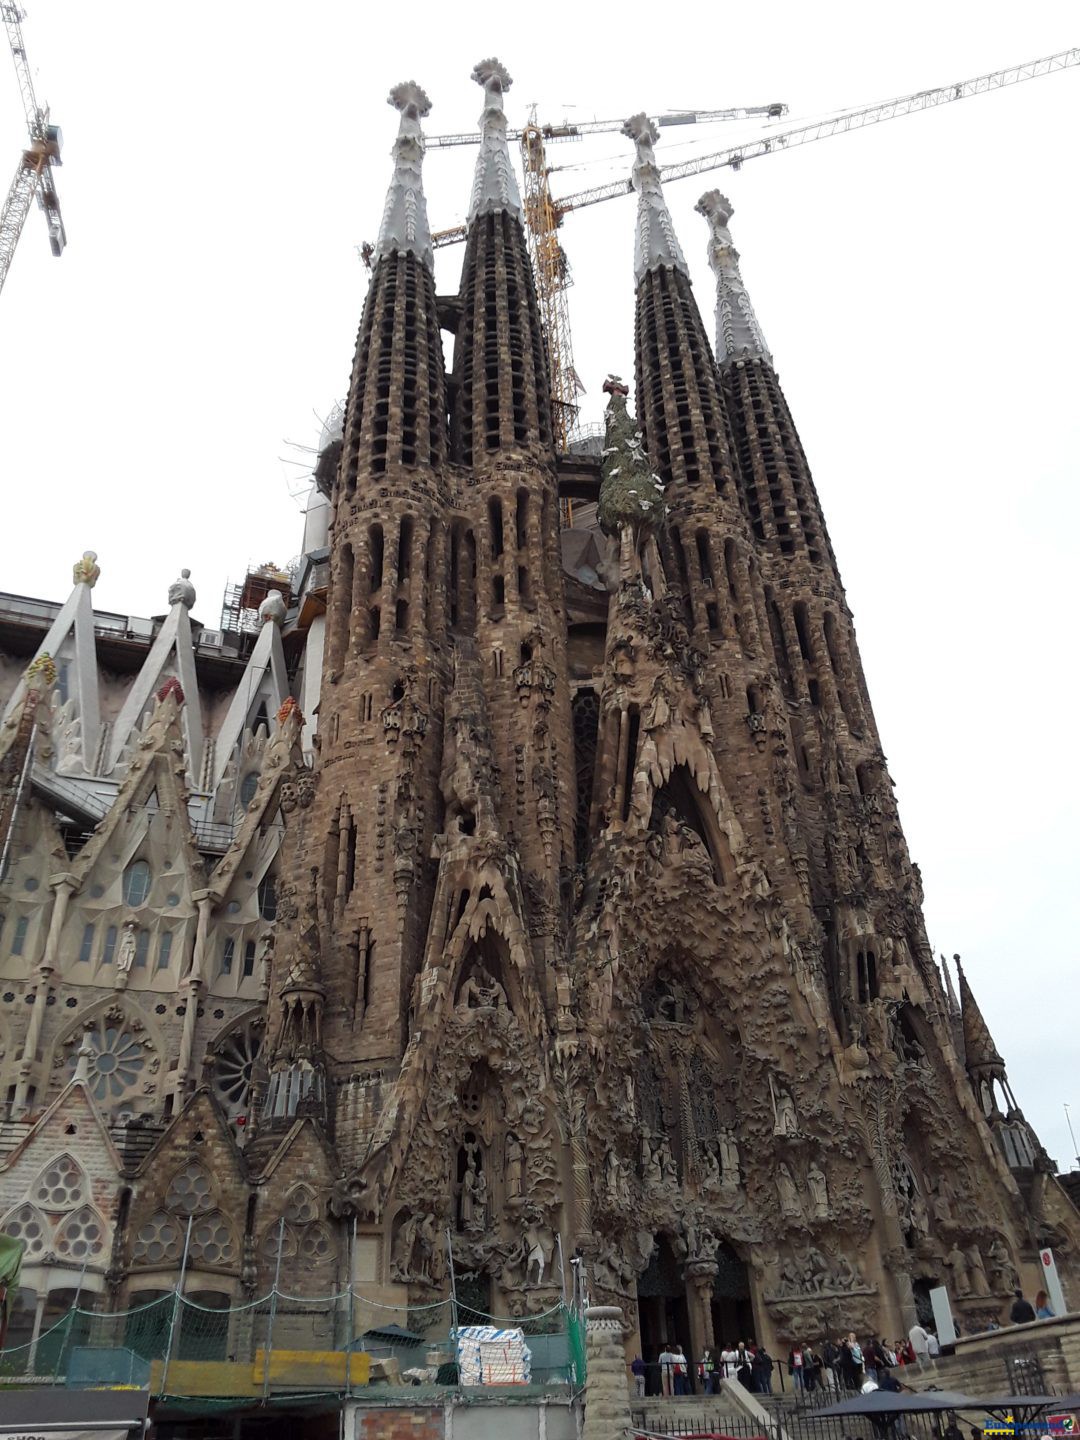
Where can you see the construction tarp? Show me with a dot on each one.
(488, 1355)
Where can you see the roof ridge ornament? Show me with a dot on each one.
(738, 334)
(405, 229)
(495, 185)
(656, 243)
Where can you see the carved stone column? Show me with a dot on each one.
(64, 886)
(607, 1394)
(193, 983)
(700, 1278)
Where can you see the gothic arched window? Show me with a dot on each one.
(61, 1185)
(137, 878)
(82, 1235)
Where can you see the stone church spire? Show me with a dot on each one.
(980, 1052)
(737, 328)
(656, 243)
(501, 386)
(404, 229)
(495, 185)
(396, 411)
(679, 405)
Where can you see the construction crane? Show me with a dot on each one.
(544, 213)
(34, 174)
(551, 267)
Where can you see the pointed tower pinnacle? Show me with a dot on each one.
(737, 330)
(950, 993)
(655, 243)
(404, 228)
(979, 1048)
(495, 185)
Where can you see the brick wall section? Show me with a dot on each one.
(402, 1425)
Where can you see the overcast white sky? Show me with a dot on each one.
(916, 283)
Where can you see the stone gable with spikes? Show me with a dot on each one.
(584, 926)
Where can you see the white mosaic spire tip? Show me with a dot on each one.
(655, 243)
(495, 185)
(738, 334)
(405, 229)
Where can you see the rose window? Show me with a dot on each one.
(189, 1191)
(61, 1185)
(29, 1227)
(160, 1241)
(233, 1066)
(117, 1063)
(81, 1236)
(212, 1241)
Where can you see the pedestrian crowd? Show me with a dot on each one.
(843, 1364)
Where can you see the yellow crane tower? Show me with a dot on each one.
(34, 173)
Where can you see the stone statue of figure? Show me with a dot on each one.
(819, 1191)
(957, 1263)
(125, 951)
(654, 1174)
(86, 571)
(942, 1202)
(541, 1247)
(613, 1176)
(786, 1122)
(182, 592)
(471, 1210)
(403, 1248)
(481, 1197)
(1001, 1265)
(426, 1244)
(729, 1160)
(977, 1272)
(515, 1166)
(710, 1167)
(668, 1167)
(788, 1192)
(920, 1216)
(482, 991)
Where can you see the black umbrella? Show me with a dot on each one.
(1025, 1408)
(885, 1403)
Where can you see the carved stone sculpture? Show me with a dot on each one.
(819, 1191)
(786, 1122)
(958, 1264)
(788, 1193)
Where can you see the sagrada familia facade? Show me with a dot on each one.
(581, 933)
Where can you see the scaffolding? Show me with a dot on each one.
(240, 603)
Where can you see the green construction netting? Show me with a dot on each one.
(284, 1345)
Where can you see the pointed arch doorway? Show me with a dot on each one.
(663, 1314)
(732, 1308)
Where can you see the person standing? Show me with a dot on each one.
(682, 1378)
(743, 1371)
(1022, 1312)
(1043, 1309)
(830, 1353)
(762, 1367)
(637, 1370)
(729, 1361)
(667, 1371)
(812, 1367)
(706, 1371)
(932, 1345)
(796, 1368)
(920, 1343)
